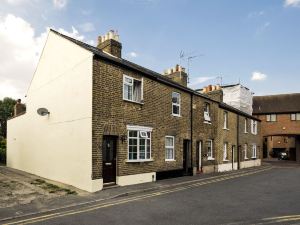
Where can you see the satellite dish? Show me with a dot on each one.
(43, 112)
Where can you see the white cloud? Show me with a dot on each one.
(258, 76)
(292, 3)
(16, 2)
(263, 28)
(60, 4)
(200, 80)
(87, 27)
(132, 54)
(74, 34)
(256, 14)
(20, 50)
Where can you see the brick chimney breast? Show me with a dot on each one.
(177, 74)
(110, 43)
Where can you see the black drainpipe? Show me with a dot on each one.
(192, 134)
(238, 141)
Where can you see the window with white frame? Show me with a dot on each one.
(271, 117)
(295, 116)
(246, 125)
(254, 151)
(139, 144)
(225, 149)
(209, 144)
(132, 89)
(245, 151)
(175, 104)
(253, 127)
(225, 120)
(207, 112)
(169, 148)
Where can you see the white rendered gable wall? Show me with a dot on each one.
(58, 146)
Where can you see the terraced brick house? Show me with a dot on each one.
(280, 124)
(104, 120)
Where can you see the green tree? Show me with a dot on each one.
(6, 111)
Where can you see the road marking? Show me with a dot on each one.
(118, 202)
(281, 217)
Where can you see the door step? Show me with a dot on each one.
(110, 185)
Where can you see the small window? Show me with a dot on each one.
(209, 144)
(175, 104)
(253, 127)
(271, 117)
(225, 120)
(132, 89)
(225, 156)
(246, 125)
(143, 134)
(254, 151)
(295, 116)
(207, 112)
(245, 151)
(169, 147)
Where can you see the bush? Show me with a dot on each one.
(2, 150)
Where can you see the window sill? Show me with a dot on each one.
(210, 158)
(140, 103)
(245, 132)
(253, 157)
(225, 128)
(139, 160)
(170, 160)
(176, 115)
(225, 160)
(246, 158)
(207, 122)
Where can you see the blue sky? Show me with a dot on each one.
(256, 42)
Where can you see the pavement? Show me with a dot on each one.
(208, 194)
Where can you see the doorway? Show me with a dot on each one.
(186, 157)
(109, 150)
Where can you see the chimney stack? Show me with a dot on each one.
(110, 43)
(177, 74)
(19, 108)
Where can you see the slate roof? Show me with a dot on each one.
(148, 73)
(283, 103)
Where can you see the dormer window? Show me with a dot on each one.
(132, 89)
(207, 112)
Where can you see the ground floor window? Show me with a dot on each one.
(225, 155)
(209, 144)
(139, 143)
(169, 147)
(254, 151)
(245, 151)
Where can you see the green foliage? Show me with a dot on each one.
(2, 150)
(6, 111)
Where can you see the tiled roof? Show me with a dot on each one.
(149, 73)
(284, 103)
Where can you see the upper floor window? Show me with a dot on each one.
(225, 120)
(254, 151)
(169, 147)
(295, 116)
(225, 155)
(175, 104)
(139, 143)
(271, 117)
(132, 89)
(207, 112)
(246, 125)
(209, 144)
(253, 127)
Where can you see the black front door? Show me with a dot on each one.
(186, 157)
(109, 150)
